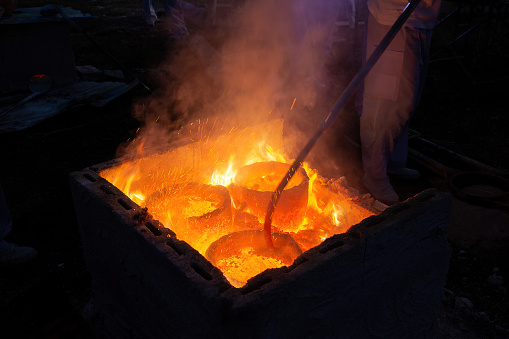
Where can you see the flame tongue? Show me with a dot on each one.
(192, 189)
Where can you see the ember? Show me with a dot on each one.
(198, 213)
(185, 190)
(253, 186)
(246, 264)
(242, 255)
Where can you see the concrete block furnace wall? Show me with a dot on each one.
(384, 278)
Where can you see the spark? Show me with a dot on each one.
(293, 103)
(328, 116)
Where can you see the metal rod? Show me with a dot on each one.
(331, 116)
(464, 159)
(431, 164)
(18, 104)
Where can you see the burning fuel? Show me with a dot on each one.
(213, 190)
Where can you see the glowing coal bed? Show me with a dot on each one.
(211, 192)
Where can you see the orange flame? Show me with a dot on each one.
(224, 178)
(327, 212)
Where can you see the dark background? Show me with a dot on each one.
(464, 108)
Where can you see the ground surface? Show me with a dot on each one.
(46, 298)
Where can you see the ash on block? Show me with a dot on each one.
(383, 278)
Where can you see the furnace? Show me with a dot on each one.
(374, 273)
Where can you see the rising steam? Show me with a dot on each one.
(269, 66)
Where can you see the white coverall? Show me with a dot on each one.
(393, 88)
